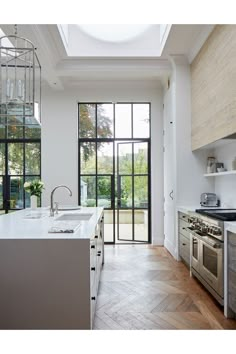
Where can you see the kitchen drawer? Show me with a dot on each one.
(183, 216)
(232, 289)
(232, 253)
(183, 222)
(184, 248)
(183, 228)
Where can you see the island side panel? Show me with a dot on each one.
(45, 284)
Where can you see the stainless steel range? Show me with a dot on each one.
(207, 248)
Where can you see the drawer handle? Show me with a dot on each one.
(92, 246)
(93, 268)
(93, 298)
(183, 228)
(184, 244)
(96, 236)
(184, 217)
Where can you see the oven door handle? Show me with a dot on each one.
(213, 245)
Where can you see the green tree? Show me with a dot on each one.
(87, 127)
(140, 182)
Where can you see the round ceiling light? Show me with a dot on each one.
(114, 33)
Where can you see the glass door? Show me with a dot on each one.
(114, 167)
(132, 191)
(97, 181)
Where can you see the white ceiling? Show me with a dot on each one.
(59, 70)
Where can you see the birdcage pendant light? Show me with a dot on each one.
(20, 81)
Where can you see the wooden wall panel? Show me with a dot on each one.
(213, 80)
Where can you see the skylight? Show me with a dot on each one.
(5, 41)
(114, 33)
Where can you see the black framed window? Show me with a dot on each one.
(20, 159)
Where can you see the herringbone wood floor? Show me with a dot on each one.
(143, 287)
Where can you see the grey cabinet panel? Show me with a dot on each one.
(184, 238)
(232, 290)
(183, 216)
(184, 249)
(232, 251)
(96, 262)
(231, 248)
(183, 228)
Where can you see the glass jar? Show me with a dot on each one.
(211, 164)
(234, 164)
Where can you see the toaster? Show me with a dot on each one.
(209, 199)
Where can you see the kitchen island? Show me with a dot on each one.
(50, 280)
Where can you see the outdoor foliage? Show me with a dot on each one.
(87, 127)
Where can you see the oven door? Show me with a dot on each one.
(194, 251)
(211, 264)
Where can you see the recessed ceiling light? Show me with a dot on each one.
(114, 33)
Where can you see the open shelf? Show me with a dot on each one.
(233, 172)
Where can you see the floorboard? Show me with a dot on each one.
(144, 288)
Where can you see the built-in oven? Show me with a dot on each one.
(207, 262)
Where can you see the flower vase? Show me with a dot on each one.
(33, 201)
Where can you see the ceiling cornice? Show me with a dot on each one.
(76, 65)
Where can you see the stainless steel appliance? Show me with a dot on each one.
(209, 200)
(207, 248)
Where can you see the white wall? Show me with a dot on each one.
(60, 141)
(189, 167)
(225, 186)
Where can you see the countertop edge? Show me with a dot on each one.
(14, 227)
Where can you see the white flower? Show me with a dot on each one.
(41, 183)
(26, 184)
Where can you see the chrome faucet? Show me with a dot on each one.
(52, 209)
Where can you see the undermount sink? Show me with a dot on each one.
(74, 216)
(34, 215)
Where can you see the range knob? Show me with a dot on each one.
(216, 231)
(210, 229)
(204, 228)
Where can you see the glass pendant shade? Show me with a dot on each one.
(20, 82)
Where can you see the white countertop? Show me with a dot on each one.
(186, 209)
(16, 226)
(230, 226)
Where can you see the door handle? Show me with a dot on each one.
(171, 194)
